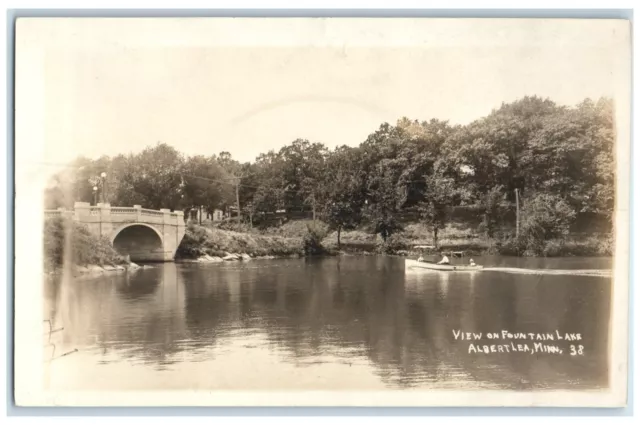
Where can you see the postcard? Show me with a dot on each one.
(322, 212)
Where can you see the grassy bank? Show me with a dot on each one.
(307, 236)
(588, 246)
(454, 237)
(450, 238)
(64, 237)
(199, 241)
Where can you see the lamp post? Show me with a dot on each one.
(103, 179)
(95, 195)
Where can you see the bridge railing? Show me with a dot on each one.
(145, 211)
(105, 212)
(123, 210)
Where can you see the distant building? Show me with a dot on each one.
(194, 215)
(218, 215)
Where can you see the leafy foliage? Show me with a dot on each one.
(384, 200)
(343, 194)
(546, 216)
(66, 238)
(494, 207)
(200, 241)
(439, 196)
(312, 240)
(559, 159)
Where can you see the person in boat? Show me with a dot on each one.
(444, 260)
(420, 259)
(472, 263)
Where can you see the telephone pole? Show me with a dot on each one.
(238, 196)
(517, 214)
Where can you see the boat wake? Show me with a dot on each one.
(584, 272)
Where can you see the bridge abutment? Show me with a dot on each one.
(103, 220)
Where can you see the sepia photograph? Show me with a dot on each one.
(322, 212)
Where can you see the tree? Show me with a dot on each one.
(575, 150)
(266, 184)
(153, 178)
(545, 217)
(494, 207)
(384, 200)
(495, 149)
(203, 184)
(548, 153)
(417, 154)
(234, 174)
(344, 194)
(302, 165)
(439, 196)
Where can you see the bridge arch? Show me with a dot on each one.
(140, 241)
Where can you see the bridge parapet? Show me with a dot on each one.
(84, 212)
(108, 221)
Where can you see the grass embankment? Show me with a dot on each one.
(84, 248)
(572, 246)
(306, 237)
(455, 237)
(451, 238)
(200, 240)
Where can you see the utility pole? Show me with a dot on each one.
(517, 214)
(238, 196)
(313, 200)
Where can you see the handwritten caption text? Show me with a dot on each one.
(555, 342)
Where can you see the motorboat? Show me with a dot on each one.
(441, 267)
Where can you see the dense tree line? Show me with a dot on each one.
(558, 159)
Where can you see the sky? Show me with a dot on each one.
(249, 86)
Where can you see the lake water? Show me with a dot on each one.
(344, 322)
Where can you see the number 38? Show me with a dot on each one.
(577, 351)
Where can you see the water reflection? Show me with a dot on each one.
(364, 313)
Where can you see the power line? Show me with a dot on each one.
(228, 180)
(257, 187)
(234, 178)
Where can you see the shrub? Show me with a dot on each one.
(511, 246)
(312, 240)
(193, 243)
(54, 237)
(554, 248)
(86, 248)
(296, 228)
(593, 246)
(199, 241)
(546, 217)
(234, 226)
(392, 245)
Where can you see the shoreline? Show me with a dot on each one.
(94, 270)
(271, 247)
(296, 238)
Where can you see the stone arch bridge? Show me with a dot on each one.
(143, 234)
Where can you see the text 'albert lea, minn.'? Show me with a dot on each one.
(521, 342)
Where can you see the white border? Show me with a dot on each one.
(592, 399)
